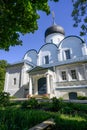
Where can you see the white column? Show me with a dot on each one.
(22, 76)
(36, 86)
(48, 84)
(85, 76)
(30, 86)
(84, 49)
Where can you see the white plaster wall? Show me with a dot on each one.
(80, 71)
(19, 72)
(50, 50)
(25, 74)
(31, 56)
(55, 37)
(13, 72)
(65, 93)
(75, 46)
(84, 49)
(81, 81)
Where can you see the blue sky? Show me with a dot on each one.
(62, 10)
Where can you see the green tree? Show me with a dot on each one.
(3, 65)
(79, 15)
(19, 16)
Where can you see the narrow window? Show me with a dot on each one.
(67, 54)
(51, 40)
(73, 74)
(14, 81)
(63, 75)
(46, 59)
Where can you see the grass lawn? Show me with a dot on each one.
(22, 116)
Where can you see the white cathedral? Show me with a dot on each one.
(58, 69)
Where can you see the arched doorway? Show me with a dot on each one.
(42, 87)
(72, 95)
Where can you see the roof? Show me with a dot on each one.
(54, 29)
(22, 62)
(66, 62)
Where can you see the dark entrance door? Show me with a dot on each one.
(73, 95)
(42, 88)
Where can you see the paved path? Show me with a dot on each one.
(77, 101)
(43, 100)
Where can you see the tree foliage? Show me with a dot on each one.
(79, 15)
(4, 99)
(3, 65)
(19, 16)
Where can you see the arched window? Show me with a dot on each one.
(72, 95)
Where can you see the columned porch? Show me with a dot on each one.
(40, 82)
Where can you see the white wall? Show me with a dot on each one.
(74, 44)
(13, 72)
(31, 56)
(48, 49)
(18, 71)
(55, 37)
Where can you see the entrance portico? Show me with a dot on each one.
(40, 81)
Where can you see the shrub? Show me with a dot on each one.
(45, 106)
(56, 104)
(31, 103)
(4, 99)
(82, 98)
(67, 110)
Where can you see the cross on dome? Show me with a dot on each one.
(53, 17)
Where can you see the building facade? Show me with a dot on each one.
(58, 69)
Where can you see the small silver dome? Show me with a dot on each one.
(54, 29)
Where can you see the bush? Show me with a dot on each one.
(82, 98)
(56, 104)
(67, 110)
(4, 99)
(31, 103)
(45, 106)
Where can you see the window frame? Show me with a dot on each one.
(15, 81)
(46, 59)
(64, 75)
(51, 40)
(73, 75)
(67, 54)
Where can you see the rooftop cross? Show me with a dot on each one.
(53, 17)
